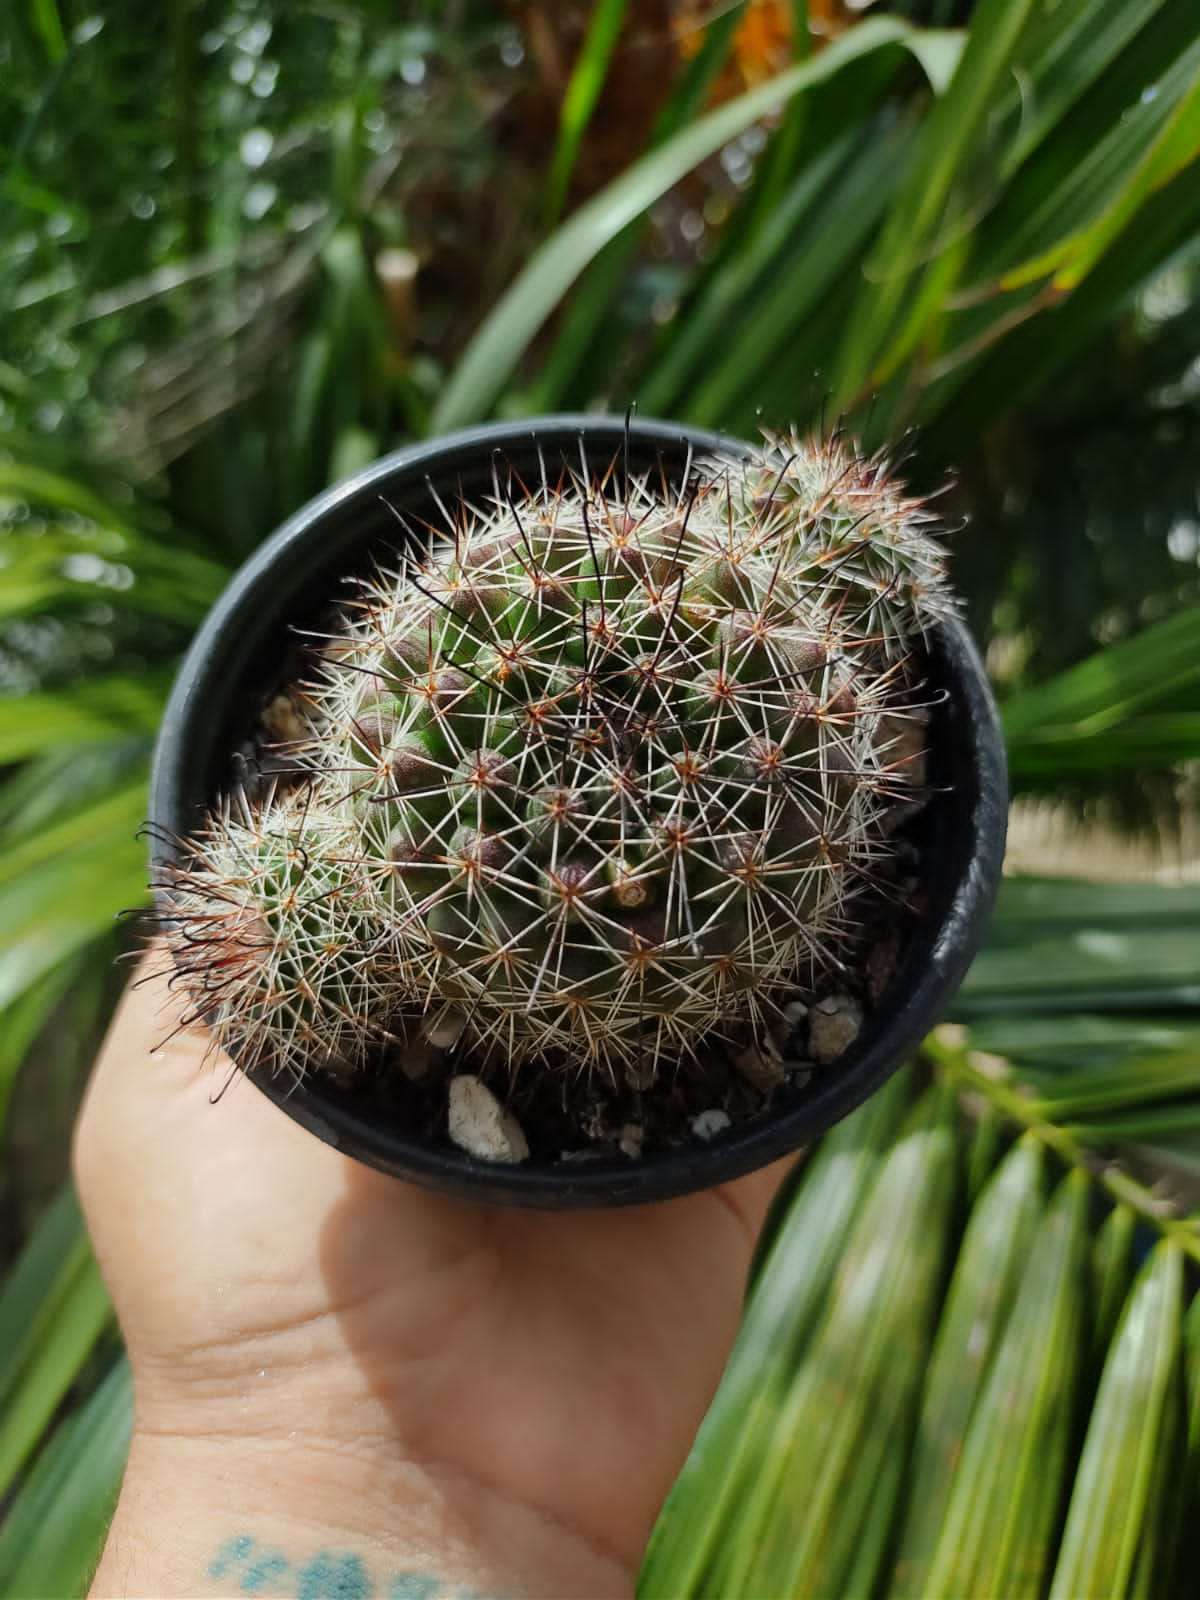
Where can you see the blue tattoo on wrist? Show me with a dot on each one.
(261, 1569)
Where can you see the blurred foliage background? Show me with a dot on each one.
(250, 248)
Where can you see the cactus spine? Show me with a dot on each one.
(598, 777)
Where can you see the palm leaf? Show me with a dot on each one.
(991, 1263)
(1117, 708)
(852, 1398)
(874, 343)
(53, 1308)
(579, 341)
(62, 886)
(995, 1490)
(1001, 1509)
(792, 1287)
(95, 712)
(497, 347)
(22, 1022)
(1134, 1425)
(51, 1538)
(582, 93)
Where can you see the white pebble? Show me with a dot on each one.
(480, 1125)
(833, 1026)
(630, 1141)
(710, 1123)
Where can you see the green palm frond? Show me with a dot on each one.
(76, 1479)
(1128, 706)
(941, 1452)
(499, 344)
(53, 1310)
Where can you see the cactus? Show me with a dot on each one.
(598, 778)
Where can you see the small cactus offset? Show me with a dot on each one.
(599, 777)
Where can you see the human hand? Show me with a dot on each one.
(350, 1387)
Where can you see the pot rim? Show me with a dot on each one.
(244, 610)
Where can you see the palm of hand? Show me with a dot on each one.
(558, 1361)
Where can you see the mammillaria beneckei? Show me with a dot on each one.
(597, 774)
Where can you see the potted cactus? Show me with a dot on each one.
(577, 811)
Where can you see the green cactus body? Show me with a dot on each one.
(266, 933)
(601, 776)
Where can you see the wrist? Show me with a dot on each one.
(270, 1518)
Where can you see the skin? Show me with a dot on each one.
(327, 1359)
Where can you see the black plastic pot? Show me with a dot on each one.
(296, 573)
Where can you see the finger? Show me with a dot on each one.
(146, 1041)
(157, 1069)
(169, 1122)
(152, 1017)
(171, 1128)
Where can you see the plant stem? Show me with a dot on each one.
(187, 150)
(977, 1073)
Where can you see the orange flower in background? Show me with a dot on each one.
(657, 36)
(763, 42)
